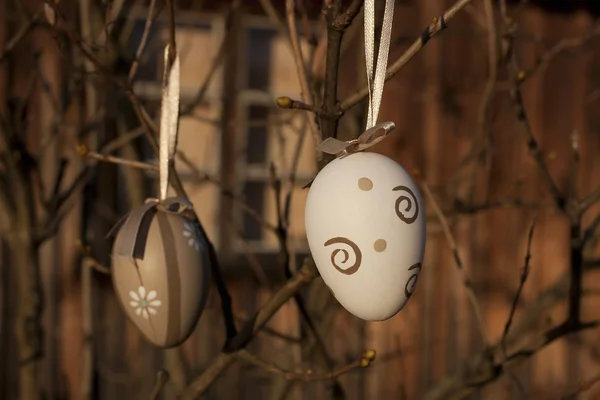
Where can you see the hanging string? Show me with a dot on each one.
(169, 117)
(376, 79)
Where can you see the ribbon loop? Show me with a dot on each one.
(135, 225)
(374, 135)
(376, 74)
(368, 138)
(169, 119)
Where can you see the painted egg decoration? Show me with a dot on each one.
(161, 270)
(365, 227)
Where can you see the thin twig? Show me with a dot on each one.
(305, 92)
(589, 200)
(460, 207)
(276, 334)
(276, 20)
(462, 385)
(19, 36)
(152, 14)
(561, 47)
(282, 235)
(573, 191)
(116, 160)
(437, 25)
(532, 145)
(172, 31)
(90, 261)
(590, 231)
(583, 387)
(513, 309)
(290, 104)
(216, 62)
(113, 13)
(489, 90)
(305, 276)
(478, 366)
(308, 376)
(122, 140)
(162, 377)
(523, 279)
(466, 280)
(346, 18)
(199, 176)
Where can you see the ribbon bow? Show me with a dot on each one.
(367, 139)
(134, 225)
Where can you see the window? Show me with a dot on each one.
(264, 134)
(269, 135)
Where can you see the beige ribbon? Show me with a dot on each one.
(375, 82)
(367, 139)
(169, 119)
(376, 73)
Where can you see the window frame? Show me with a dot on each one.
(148, 90)
(246, 98)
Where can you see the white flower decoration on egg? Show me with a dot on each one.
(365, 227)
(144, 305)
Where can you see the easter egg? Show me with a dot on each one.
(365, 226)
(161, 270)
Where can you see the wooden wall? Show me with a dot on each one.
(436, 103)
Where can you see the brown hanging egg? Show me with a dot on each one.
(161, 270)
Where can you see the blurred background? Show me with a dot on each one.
(80, 89)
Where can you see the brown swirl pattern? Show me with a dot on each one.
(345, 254)
(411, 201)
(412, 281)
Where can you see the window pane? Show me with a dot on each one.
(258, 58)
(292, 143)
(254, 197)
(257, 135)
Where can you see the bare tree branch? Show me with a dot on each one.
(345, 19)
(513, 309)
(573, 190)
(437, 25)
(560, 48)
(214, 67)
(152, 15)
(466, 280)
(305, 276)
(484, 371)
(488, 91)
(309, 376)
(162, 377)
(19, 36)
(305, 92)
(90, 261)
(517, 97)
(583, 387)
(115, 160)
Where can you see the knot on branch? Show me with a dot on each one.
(437, 25)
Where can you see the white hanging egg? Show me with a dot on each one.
(365, 225)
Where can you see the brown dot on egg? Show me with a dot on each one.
(365, 184)
(380, 245)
